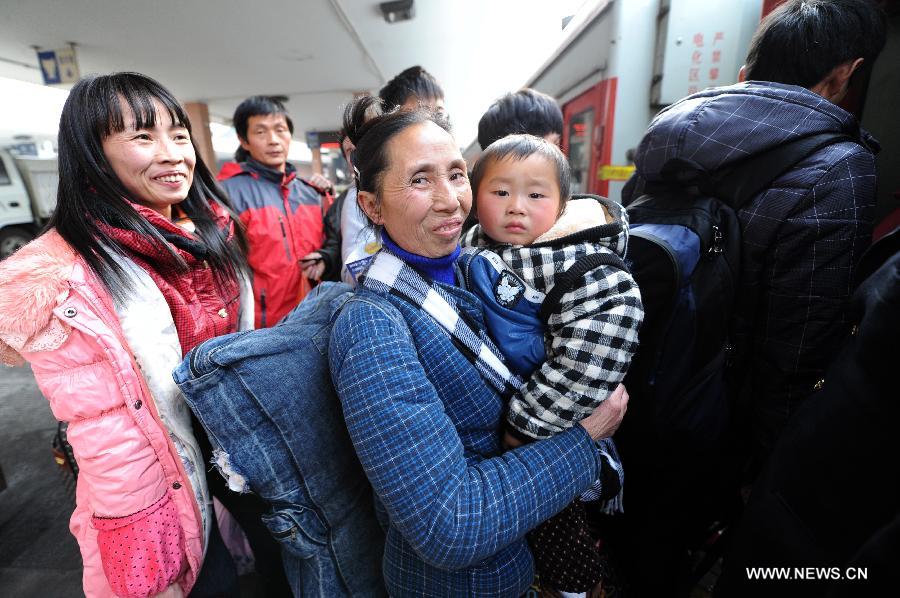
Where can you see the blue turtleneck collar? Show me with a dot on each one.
(439, 269)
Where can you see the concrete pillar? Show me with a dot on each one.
(198, 112)
(316, 160)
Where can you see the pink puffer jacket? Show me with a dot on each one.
(136, 502)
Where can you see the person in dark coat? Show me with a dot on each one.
(801, 240)
(802, 236)
(330, 251)
(829, 496)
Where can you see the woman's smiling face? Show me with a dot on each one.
(424, 195)
(156, 163)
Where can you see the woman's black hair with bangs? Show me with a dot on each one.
(90, 193)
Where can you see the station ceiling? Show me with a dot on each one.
(316, 52)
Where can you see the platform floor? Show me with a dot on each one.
(38, 555)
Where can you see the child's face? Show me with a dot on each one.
(518, 200)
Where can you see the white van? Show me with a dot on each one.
(27, 198)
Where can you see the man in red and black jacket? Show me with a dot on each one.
(281, 211)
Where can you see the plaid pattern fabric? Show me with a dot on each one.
(802, 237)
(387, 273)
(592, 334)
(424, 425)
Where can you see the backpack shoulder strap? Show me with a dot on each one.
(877, 255)
(566, 281)
(740, 183)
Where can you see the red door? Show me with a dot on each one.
(587, 136)
(770, 5)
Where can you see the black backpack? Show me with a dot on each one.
(684, 252)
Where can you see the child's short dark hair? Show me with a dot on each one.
(519, 147)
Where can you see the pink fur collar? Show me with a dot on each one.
(32, 283)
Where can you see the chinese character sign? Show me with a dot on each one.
(701, 44)
(704, 70)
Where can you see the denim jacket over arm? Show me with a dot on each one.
(426, 430)
(266, 400)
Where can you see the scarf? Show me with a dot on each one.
(389, 274)
(202, 307)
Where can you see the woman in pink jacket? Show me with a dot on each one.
(142, 261)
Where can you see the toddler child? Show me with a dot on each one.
(562, 306)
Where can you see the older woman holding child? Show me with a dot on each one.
(424, 389)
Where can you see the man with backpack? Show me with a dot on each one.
(761, 196)
(803, 234)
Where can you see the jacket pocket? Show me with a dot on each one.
(298, 529)
(142, 554)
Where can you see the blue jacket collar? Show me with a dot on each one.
(270, 174)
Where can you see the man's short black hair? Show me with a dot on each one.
(258, 106)
(802, 41)
(525, 111)
(414, 81)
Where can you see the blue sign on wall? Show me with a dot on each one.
(49, 67)
(58, 66)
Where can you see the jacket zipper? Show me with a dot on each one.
(284, 238)
(286, 204)
(467, 277)
(262, 308)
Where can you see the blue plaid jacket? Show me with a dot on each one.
(426, 429)
(802, 237)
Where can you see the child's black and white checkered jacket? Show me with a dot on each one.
(593, 334)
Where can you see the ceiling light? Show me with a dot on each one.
(399, 10)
